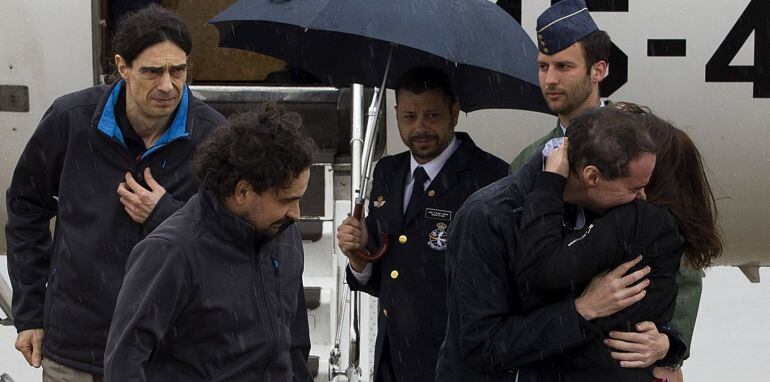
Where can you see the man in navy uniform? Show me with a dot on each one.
(414, 197)
(573, 61)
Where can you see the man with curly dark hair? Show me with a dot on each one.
(215, 292)
(109, 163)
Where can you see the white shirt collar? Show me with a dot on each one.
(433, 167)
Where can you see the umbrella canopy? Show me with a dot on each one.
(488, 57)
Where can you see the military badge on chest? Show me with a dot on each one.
(379, 202)
(437, 238)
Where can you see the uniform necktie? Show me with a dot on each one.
(418, 190)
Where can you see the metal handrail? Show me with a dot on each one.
(5, 303)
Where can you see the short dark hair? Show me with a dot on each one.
(423, 78)
(596, 47)
(146, 27)
(267, 148)
(609, 139)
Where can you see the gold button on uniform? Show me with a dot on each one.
(385, 312)
(431, 193)
(394, 274)
(402, 239)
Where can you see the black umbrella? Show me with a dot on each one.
(489, 58)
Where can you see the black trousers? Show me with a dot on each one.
(385, 371)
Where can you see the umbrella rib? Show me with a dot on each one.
(317, 15)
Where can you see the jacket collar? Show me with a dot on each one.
(108, 125)
(235, 228)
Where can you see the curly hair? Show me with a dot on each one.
(266, 148)
(679, 183)
(146, 27)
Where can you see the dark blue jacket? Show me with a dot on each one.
(409, 279)
(205, 299)
(549, 262)
(70, 170)
(502, 327)
(490, 335)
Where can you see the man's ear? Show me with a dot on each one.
(120, 63)
(590, 175)
(598, 71)
(242, 192)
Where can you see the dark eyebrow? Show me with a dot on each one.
(160, 67)
(291, 198)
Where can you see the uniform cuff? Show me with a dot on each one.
(363, 276)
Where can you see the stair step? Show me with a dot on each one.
(312, 297)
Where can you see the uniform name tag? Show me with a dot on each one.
(432, 213)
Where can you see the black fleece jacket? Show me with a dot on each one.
(70, 170)
(205, 299)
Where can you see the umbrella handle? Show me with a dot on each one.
(363, 254)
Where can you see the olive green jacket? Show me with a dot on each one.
(535, 146)
(689, 280)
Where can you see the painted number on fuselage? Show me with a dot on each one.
(755, 18)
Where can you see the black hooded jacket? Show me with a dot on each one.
(499, 328)
(562, 266)
(70, 170)
(205, 299)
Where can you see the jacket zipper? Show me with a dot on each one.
(588, 230)
(277, 273)
(259, 291)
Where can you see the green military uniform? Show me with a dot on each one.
(537, 145)
(689, 280)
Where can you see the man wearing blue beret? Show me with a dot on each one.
(573, 61)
